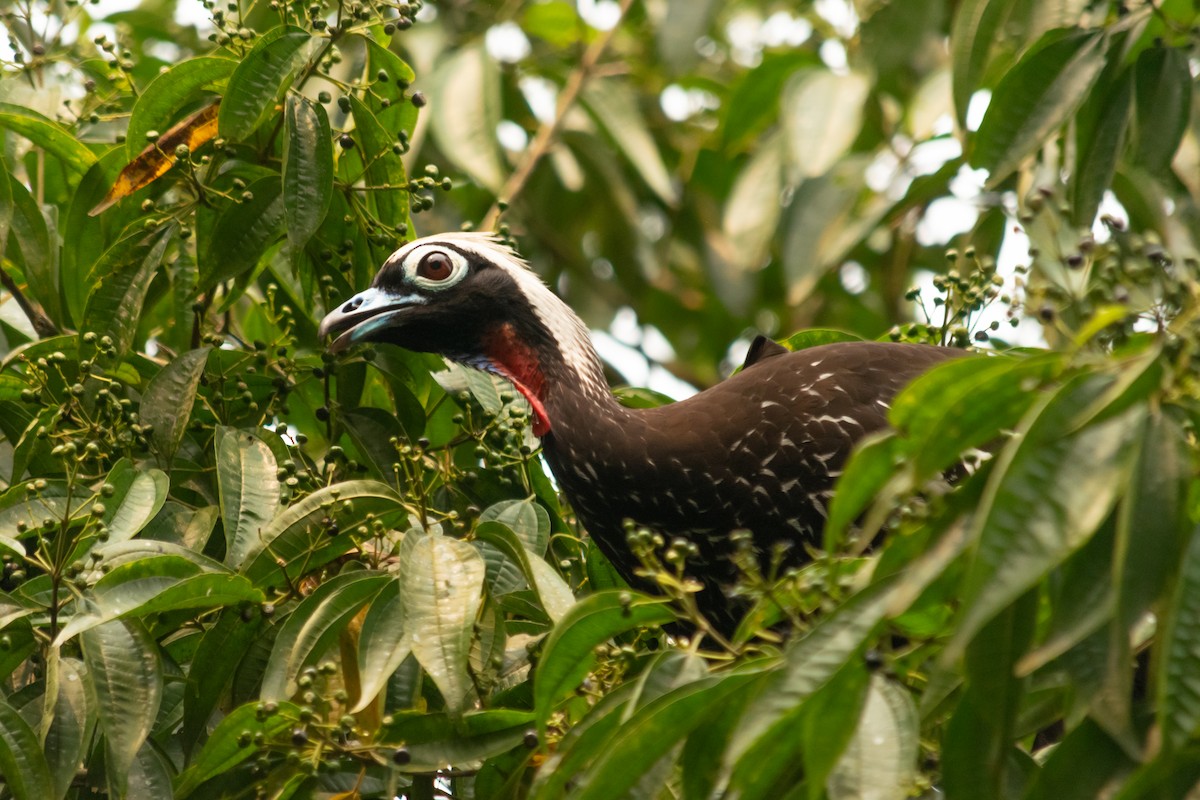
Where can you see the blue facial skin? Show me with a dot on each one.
(370, 326)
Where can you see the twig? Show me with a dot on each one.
(547, 133)
(42, 325)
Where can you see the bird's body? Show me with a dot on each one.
(759, 451)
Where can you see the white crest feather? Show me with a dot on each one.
(564, 325)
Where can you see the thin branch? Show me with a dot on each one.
(42, 325)
(548, 132)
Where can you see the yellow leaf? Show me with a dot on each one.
(159, 156)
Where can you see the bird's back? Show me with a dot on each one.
(760, 451)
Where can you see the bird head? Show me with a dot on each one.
(438, 295)
(470, 298)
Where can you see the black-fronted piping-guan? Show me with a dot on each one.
(759, 451)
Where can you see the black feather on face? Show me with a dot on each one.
(430, 296)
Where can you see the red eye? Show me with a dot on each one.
(435, 267)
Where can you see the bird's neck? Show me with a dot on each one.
(556, 369)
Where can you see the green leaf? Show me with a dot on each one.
(966, 403)
(384, 170)
(26, 773)
(653, 731)
(978, 738)
(806, 742)
(1083, 599)
(1137, 378)
(372, 431)
(122, 275)
(260, 80)
(871, 465)
(975, 27)
(1035, 98)
(116, 553)
(443, 582)
(6, 207)
(156, 583)
(212, 590)
(383, 643)
(880, 760)
(1153, 528)
(249, 491)
(168, 399)
(641, 397)
(138, 495)
(21, 505)
(893, 39)
(601, 574)
(69, 727)
(754, 101)
(824, 222)
(815, 337)
(437, 741)
(32, 234)
(48, 135)
(582, 742)
(1081, 766)
(1163, 778)
(557, 22)
(242, 233)
(553, 592)
(1045, 497)
(384, 59)
(387, 98)
(169, 92)
(686, 22)
(464, 121)
(810, 662)
(1178, 681)
(313, 627)
(591, 736)
(124, 680)
(296, 538)
(218, 655)
(614, 106)
(11, 387)
(1099, 145)
(1164, 99)
(753, 209)
(485, 387)
(150, 774)
(14, 547)
(146, 494)
(307, 169)
(832, 718)
(530, 522)
(815, 142)
(569, 653)
(91, 235)
(700, 763)
(15, 619)
(223, 751)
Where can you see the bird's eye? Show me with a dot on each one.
(435, 267)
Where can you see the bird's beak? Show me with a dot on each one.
(360, 316)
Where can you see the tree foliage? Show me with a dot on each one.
(238, 566)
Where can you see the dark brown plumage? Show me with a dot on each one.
(759, 451)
